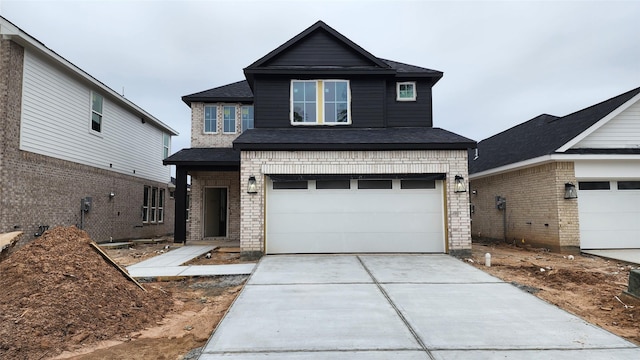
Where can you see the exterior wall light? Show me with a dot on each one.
(570, 191)
(459, 185)
(252, 187)
(112, 195)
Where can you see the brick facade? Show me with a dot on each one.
(536, 213)
(261, 163)
(201, 140)
(40, 190)
(201, 180)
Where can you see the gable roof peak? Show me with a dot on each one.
(317, 26)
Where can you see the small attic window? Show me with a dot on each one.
(406, 91)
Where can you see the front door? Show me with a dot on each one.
(215, 212)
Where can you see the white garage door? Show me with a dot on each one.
(351, 216)
(609, 214)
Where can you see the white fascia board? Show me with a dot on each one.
(599, 124)
(15, 34)
(548, 159)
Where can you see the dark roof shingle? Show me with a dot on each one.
(204, 157)
(235, 92)
(336, 138)
(542, 135)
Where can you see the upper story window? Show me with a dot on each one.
(247, 117)
(229, 119)
(96, 112)
(210, 119)
(324, 102)
(406, 91)
(166, 141)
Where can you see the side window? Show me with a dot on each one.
(406, 91)
(96, 112)
(229, 119)
(161, 205)
(154, 204)
(247, 117)
(210, 119)
(166, 141)
(336, 101)
(145, 204)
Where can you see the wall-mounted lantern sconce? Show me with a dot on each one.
(459, 186)
(112, 195)
(570, 191)
(252, 187)
(474, 192)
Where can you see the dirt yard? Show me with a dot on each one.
(587, 286)
(61, 300)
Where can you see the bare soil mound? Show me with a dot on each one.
(57, 293)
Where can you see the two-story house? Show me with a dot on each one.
(324, 148)
(75, 152)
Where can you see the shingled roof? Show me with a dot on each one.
(235, 92)
(542, 135)
(351, 139)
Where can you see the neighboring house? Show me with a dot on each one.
(568, 183)
(75, 152)
(324, 148)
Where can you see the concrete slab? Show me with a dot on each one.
(174, 257)
(322, 355)
(628, 255)
(215, 270)
(312, 269)
(599, 354)
(152, 272)
(492, 316)
(424, 269)
(319, 317)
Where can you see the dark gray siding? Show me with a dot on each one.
(410, 113)
(367, 103)
(271, 103)
(319, 49)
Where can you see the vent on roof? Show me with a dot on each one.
(476, 156)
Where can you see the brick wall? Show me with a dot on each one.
(202, 180)
(201, 140)
(536, 214)
(40, 190)
(259, 163)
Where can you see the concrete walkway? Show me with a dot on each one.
(627, 255)
(397, 307)
(170, 265)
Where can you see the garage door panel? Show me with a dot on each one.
(355, 220)
(340, 222)
(344, 243)
(609, 219)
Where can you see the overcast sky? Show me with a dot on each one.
(503, 62)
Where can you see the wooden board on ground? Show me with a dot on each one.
(120, 268)
(7, 241)
(228, 250)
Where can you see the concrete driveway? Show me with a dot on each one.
(397, 307)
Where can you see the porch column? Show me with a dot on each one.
(180, 226)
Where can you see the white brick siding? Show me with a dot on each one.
(261, 163)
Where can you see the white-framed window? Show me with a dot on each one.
(229, 119)
(160, 205)
(166, 143)
(406, 91)
(145, 204)
(153, 205)
(247, 117)
(210, 119)
(324, 102)
(96, 112)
